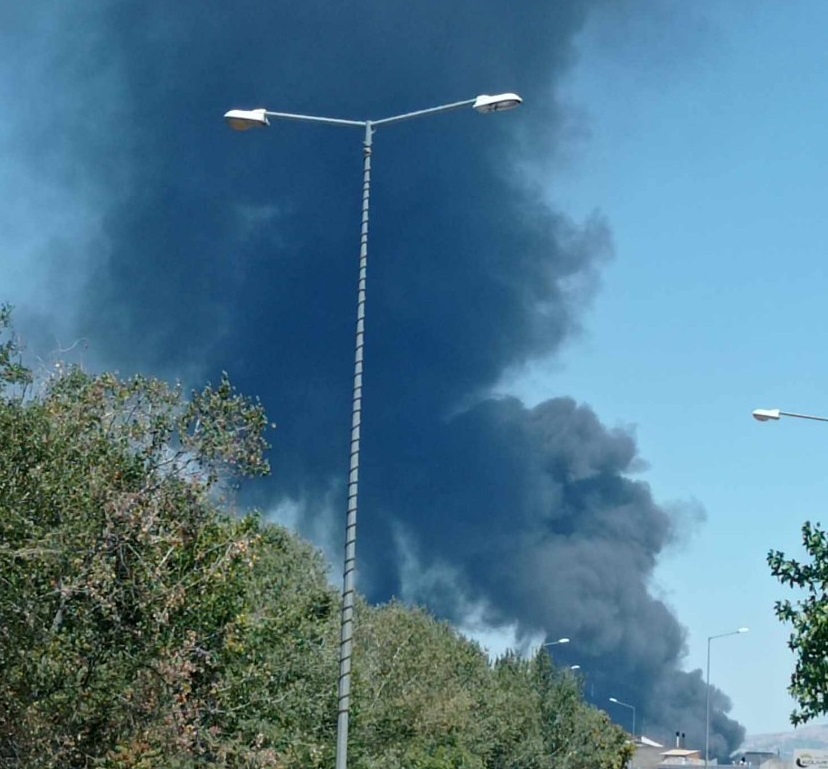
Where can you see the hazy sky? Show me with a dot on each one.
(635, 254)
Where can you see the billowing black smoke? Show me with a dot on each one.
(238, 251)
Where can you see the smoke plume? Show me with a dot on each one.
(202, 250)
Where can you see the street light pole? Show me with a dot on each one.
(243, 120)
(707, 717)
(631, 707)
(349, 571)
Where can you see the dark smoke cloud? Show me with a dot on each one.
(238, 252)
(58, 103)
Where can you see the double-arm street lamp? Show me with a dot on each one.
(707, 717)
(626, 705)
(242, 120)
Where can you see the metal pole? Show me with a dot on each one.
(349, 575)
(633, 724)
(803, 416)
(707, 717)
(348, 579)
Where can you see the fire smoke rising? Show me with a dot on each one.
(193, 250)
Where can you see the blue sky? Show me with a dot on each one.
(694, 130)
(706, 152)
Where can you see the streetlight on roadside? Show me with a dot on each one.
(631, 707)
(555, 643)
(707, 718)
(243, 120)
(766, 415)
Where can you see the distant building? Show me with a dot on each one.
(651, 755)
(647, 755)
(681, 757)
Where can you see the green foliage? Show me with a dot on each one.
(429, 698)
(118, 577)
(575, 735)
(281, 663)
(12, 371)
(809, 618)
(145, 625)
(421, 687)
(539, 720)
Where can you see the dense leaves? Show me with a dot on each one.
(12, 371)
(145, 625)
(118, 578)
(809, 617)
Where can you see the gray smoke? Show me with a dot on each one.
(204, 250)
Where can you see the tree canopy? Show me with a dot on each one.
(146, 623)
(808, 616)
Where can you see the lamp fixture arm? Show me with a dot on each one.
(316, 119)
(423, 112)
(375, 123)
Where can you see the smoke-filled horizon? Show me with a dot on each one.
(190, 249)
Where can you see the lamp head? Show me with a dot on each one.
(763, 415)
(743, 630)
(245, 119)
(612, 699)
(497, 103)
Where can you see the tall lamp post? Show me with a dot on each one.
(766, 415)
(631, 707)
(707, 717)
(242, 120)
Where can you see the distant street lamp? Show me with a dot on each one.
(555, 643)
(707, 718)
(244, 120)
(765, 415)
(631, 707)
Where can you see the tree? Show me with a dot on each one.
(146, 624)
(537, 719)
(809, 618)
(280, 663)
(141, 621)
(118, 576)
(575, 735)
(513, 716)
(421, 687)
